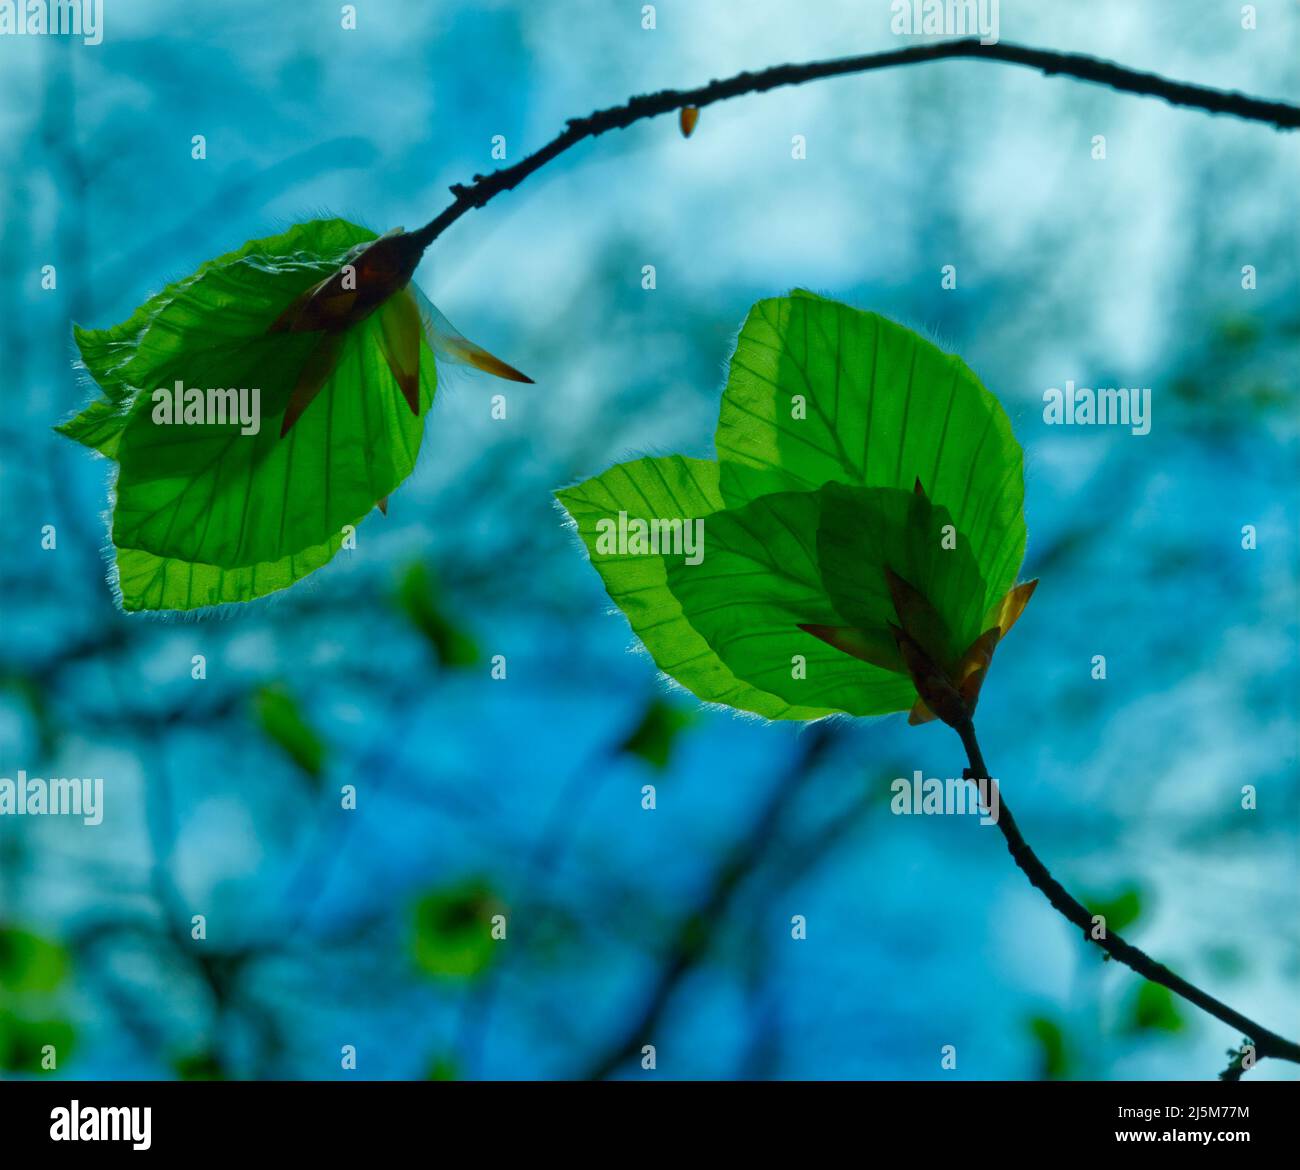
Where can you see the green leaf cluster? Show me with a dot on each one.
(864, 517)
(203, 513)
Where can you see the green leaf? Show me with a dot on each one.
(120, 358)
(146, 582)
(864, 526)
(864, 531)
(204, 513)
(417, 598)
(759, 581)
(282, 721)
(213, 495)
(656, 733)
(818, 391)
(453, 930)
(99, 426)
(30, 963)
(673, 487)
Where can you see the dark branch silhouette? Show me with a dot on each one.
(1265, 1043)
(1280, 115)
(692, 937)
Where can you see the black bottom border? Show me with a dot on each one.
(338, 1117)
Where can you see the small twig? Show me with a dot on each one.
(476, 193)
(1265, 1043)
(1237, 1066)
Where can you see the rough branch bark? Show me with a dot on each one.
(482, 188)
(1266, 1043)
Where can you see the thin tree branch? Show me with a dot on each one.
(482, 188)
(693, 935)
(560, 826)
(1265, 1043)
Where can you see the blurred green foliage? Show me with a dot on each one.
(281, 719)
(32, 968)
(1055, 1062)
(655, 735)
(418, 599)
(199, 1066)
(34, 697)
(29, 963)
(443, 1068)
(453, 930)
(1120, 908)
(1154, 1009)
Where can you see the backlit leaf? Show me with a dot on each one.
(819, 391)
(146, 581)
(205, 513)
(863, 523)
(867, 535)
(211, 494)
(671, 487)
(759, 582)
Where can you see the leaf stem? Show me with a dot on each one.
(482, 188)
(1266, 1043)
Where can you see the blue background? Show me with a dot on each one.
(921, 932)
